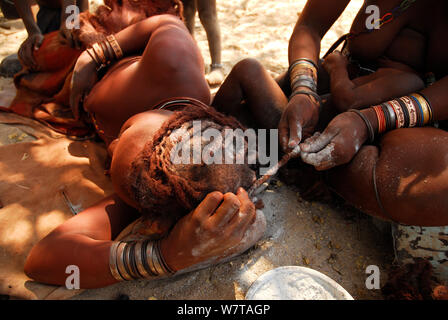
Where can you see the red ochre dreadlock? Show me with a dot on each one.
(160, 187)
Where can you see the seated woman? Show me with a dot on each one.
(388, 159)
(156, 87)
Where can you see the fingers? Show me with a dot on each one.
(290, 132)
(322, 160)
(247, 205)
(317, 142)
(26, 54)
(67, 37)
(75, 98)
(318, 150)
(295, 133)
(38, 42)
(208, 206)
(35, 45)
(283, 133)
(245, 216)
(229, 207)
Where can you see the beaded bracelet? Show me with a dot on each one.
(137, 260)
(404, 112)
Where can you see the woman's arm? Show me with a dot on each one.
(301, 113)
(84, 241)
(347, 132)
(134, 38)
(35, 37)
(24, 9)
(437, 94)
(315, 20)
(211, 232)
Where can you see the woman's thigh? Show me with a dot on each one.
(409, 171)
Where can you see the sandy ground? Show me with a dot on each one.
(339, 242)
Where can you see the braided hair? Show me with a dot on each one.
(156, 183)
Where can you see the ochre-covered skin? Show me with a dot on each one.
(411, 164)
(168, 64)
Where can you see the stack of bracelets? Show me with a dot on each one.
(105, 52)
(409, 111)
(140, 259)
(303, 78)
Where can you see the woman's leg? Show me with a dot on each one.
(250, 82)
(189, 14)
(411, 177)
(209, 19)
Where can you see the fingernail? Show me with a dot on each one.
(292, 143)
(296, 151)
(284, 141)
(305, 147)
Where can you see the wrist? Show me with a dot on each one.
(32, 31)
(369, 124)
(166, 254)
(371, 116)
(306, 92)
(141, 259)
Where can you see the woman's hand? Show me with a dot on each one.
(83, 79)
(67, 37)
(338, 144)
(214, 230)
(299, 118)
(26, 50)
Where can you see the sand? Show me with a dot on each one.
(337, 241)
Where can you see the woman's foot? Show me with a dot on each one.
(216, 75)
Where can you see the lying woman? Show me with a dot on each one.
(153, 84)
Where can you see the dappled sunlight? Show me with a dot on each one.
(254, 268)
(17, 235)
(261, 29)
(46, 222)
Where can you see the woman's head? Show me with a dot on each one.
(157, 182)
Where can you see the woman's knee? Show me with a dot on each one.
(249, 68)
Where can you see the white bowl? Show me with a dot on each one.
(296, 283)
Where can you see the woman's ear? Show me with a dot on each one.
(112, 146)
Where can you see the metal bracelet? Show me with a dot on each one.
(150, 258)
(301, 60)
(113, 262)
(367, 122)
(309, 93)
(166, 267)
(115, 46)
(304, 82)
(121, 261)
(139, 260)
(129, 262)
